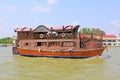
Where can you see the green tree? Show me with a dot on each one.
(86, 31)
(97, 31)
(6, 40)
(92, 31)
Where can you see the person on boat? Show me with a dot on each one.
(82, 45)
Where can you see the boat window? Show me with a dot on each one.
(53, 43)
(57, 43)
(68, 44)
(41, 43)
(26, 43)
(44, 43)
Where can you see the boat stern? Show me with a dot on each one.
(15, 50)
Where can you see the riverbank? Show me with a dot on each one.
(5, 45)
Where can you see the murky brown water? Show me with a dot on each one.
(34, 68)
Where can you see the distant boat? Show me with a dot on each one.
(59, 42)
(3, 45)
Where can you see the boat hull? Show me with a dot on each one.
(85, 53)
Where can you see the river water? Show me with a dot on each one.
(15, 67)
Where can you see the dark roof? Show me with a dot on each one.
(41, 28)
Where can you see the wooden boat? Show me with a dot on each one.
(63, 42)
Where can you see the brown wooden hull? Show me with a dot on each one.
(62, 54)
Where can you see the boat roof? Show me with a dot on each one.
(43, 28)
(24, 29)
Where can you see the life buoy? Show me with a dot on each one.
(41, 36)
(63, 34)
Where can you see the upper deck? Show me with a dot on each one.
(43, 32)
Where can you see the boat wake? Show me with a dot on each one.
(106, 56)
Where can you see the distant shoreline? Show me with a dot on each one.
(5, 45)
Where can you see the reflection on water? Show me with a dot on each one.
(35, 68)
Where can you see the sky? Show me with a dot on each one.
(102, 14)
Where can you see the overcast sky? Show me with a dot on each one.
(103, 14)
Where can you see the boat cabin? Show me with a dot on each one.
(65, 38)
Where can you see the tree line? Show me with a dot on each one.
(92, 31)
(6, 40)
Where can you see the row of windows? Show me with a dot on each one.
(70, 43)
(110, 44)
(47, 44)
(109, 40)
